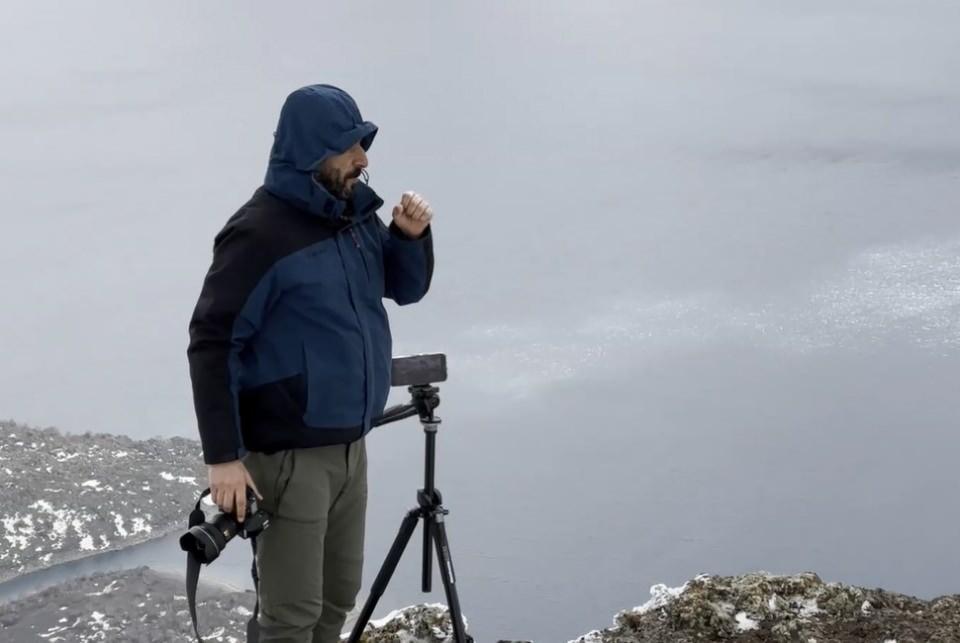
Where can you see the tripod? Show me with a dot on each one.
(424, 401)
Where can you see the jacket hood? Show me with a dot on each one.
(316, 121)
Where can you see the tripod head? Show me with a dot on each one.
(424, 399)
(418, 373)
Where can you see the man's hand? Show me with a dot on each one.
(228, 487)
(412, 215)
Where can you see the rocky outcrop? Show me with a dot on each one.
(428, 623)
(761, 607)
(143, 605)
(63, 497)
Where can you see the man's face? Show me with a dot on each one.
(339, 173)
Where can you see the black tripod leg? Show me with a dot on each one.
(386, 571)
(449, 581)
(427, 578)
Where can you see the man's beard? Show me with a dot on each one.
(338, 184)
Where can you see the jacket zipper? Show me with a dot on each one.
(356, 310)
(363, 257)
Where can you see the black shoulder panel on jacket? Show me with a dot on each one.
(260, 233)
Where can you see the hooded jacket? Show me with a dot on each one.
(290, 344)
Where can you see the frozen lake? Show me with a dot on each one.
(698, 272)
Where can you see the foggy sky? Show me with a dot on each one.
(673, 204)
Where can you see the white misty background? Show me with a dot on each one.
(697, 268)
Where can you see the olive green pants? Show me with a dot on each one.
(310, 558)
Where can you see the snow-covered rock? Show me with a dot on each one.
(64, 497)
(760, 607)
(427, 623)
(144, 605)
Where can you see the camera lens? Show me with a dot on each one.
(205, 541)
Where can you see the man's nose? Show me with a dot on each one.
(360, 158)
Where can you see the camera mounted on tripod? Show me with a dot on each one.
(419, 373)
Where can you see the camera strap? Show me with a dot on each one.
(193, 567)
(253, 628)
(193, 577)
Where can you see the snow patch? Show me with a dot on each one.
(118, 525)
(106, 590)
(808, 607)
(745, 623)
(661, 595)
(141, 525)
(56, 630)
(183, 479)
(18, 530)
(386, 619)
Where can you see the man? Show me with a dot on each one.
(290, 356)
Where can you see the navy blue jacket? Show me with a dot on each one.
(290, 344)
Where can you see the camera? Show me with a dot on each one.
(418, 370)
(211, 528)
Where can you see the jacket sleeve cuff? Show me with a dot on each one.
(224, 456)
(397, 233)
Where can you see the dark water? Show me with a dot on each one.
(159, 553)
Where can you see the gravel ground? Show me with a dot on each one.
(63, 497)
(131, 605)
(142, 605)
